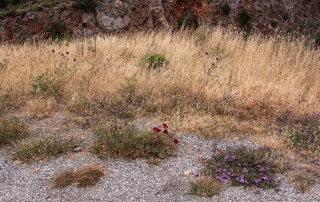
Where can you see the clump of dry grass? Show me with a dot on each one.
(204, 186)
(40, 108)
(87, 176)
(304, 177)
(153, 161)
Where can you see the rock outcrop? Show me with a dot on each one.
(114, 16)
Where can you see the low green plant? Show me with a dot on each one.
(226, 8)
(155, 61)
(4, 3)
(126, 140)
(204, 186)
(15, 2)
(63, 7)
(38, 8)
(85, 5)
(188, 20)
(45, 85)
(43, 148)
(12, 129)
(285, 16)
(245, 167)
(58, 31)
(244, 18)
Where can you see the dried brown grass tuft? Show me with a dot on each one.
(64, 179)
(304, 177)
(40, 108)
(87, 176)
(204, 186)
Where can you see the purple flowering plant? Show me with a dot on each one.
(301, 132)
(243, 167)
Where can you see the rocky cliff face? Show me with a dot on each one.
(114, 16)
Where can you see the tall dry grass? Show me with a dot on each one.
(253, 71)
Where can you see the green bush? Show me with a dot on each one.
(244, 17)
(45, 86)
(4, 3)
(57, 30)
(15, 2)
(226, 8)
(188, 20)
(11, 130)
(85, 5)
(155, 61)
(38, 8)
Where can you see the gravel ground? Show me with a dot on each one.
(132, 180)
(126, 179)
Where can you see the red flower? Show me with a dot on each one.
(176, 141)
(165, 131)
(156, 129)
(159, 142)
(117, 151)
(165, 125)
(128, 154)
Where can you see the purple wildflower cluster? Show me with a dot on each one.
(243, 167)
(300, 131)
(62, 54)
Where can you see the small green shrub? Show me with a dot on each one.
(15, 2)
(85, 5)
(204, 186)
(126, 140)
(274, 24)
(2, 15)
(57, 30)
(4, 3)
(43, 148)
(245, 167)
(285, 16)
(188, 20)
(63, 7)
(155, 61)
(45, 85)
(226, 8)
(12, 129)
(244, 18)
(38, 8)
